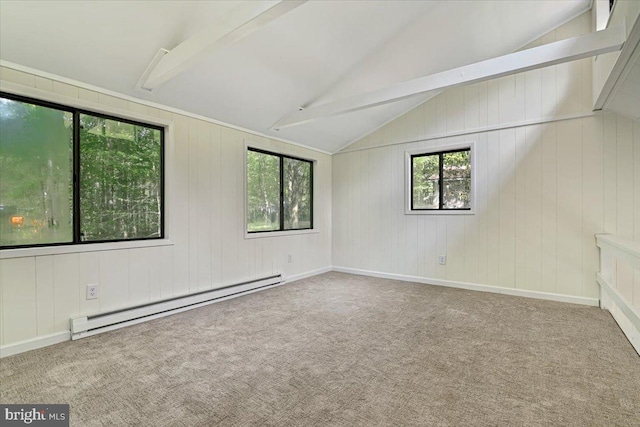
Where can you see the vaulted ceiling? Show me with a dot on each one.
(318, 52)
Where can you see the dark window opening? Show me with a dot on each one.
(441, 180)
(279, 192)
(69, 176)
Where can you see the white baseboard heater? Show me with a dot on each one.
(85, 326)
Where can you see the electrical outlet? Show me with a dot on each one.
(289, 258)
(92, 291)
(442, 259)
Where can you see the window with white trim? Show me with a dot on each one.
(71, 176)
(279, 192)
(440, 180)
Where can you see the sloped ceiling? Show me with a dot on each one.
(319, 52)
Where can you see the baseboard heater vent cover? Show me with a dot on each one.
(85, 326)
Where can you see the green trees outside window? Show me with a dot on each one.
(36, 174)
(69, 176)
(120, 180)
(279, 192)
(441, 181)
(263, 188)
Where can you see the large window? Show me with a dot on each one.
(279, 192)
(440, 180)
(71, 176)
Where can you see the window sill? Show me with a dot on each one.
(440, 212)
(88, 247)
(279, 233)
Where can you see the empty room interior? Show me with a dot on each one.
(320, 213)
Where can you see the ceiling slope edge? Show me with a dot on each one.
(563, 22)
(83, 85)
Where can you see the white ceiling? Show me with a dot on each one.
(319, 52)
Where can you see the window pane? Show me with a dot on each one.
(456, 168)
(36, 169)
(120, 180)
(425, 182)
(297, 194)
(263, 191)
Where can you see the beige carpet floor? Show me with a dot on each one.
(343, 350)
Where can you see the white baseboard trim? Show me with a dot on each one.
(34, 343)
(632, 334)
(311, 273)
(47, 340)
(87, 325)
(58, 337)
(623, 313)
(595, 302)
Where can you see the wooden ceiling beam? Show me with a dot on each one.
(241, 21)
(592, 44)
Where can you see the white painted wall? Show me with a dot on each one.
(38, 294)
(543, 189)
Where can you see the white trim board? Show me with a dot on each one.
(244, 19)
(80, 248)
(622, 312)
(296, 277)
(34, 343)
(622, 304)
(408, 184)
(623, 249)
(228, 296)
(621, 68)
(169, 147)
(590, 44)
(593, 302)
(481, 129)
(58, 337)
(436, 93)
(315, 181)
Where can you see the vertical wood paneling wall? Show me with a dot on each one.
(205, 205)
(543, 190)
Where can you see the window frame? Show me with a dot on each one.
(439, 150)
(76, 111)
(281, 230)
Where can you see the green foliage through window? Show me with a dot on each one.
(263, 187)
(279, 192)
(117, 164)
(120, 180)
(36, 174)
(441, 181)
